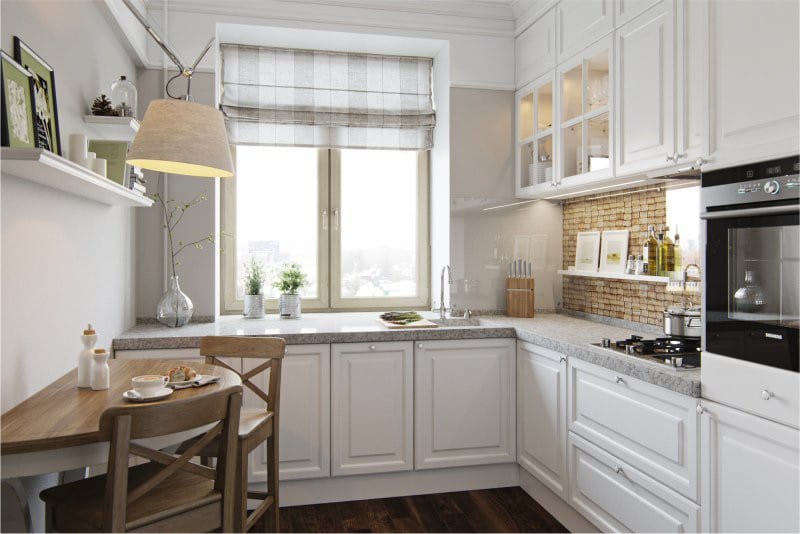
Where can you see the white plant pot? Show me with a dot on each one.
(254, 306)
(289, 306)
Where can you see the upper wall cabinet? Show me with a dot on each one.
(645, 90)
(754, 61)
(535, 49)
(626, 10)
(535, 106)
(580, 23)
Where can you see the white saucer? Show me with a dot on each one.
(185, 382)
(133, 396)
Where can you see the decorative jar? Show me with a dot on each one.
(124, 97)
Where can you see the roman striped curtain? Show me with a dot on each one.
(292, 97)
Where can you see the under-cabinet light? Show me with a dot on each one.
(510, 205)
(594, 189)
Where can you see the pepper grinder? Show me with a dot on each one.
(101, 374)
(89, 338)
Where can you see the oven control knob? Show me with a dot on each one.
(772, 187)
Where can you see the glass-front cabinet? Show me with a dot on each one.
(563, 128)
(584, 127)
(534, 146)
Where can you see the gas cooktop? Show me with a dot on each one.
(677, 352)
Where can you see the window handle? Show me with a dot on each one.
(335, 220)
(324, 220)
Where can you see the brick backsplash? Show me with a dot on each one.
(622, 299)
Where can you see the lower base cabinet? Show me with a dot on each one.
(616, 497)
(751, 472)
(464, 404)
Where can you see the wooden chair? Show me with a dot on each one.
(256, 425)
(166, 494)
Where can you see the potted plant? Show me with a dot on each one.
(253, 290)
(290, 279)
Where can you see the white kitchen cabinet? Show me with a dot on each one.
(645, 110)
(647, 426)
(464, 402)
(541, 415)
(754, 62)
(751, 476)
(372, 407)
(304, 446)
(535, 49)
(581, 23)
(627, 10)
(617, 497)
(535, 108)
(187, 355)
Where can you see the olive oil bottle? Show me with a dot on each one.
(651, 252)
(678, 263)
(666, 253)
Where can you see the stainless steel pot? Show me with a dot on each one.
(683, 322)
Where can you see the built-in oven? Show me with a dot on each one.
(752, 262)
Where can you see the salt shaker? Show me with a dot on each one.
(630, 267)
(89, 338)
(101, 374)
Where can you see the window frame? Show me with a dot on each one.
(329, 297)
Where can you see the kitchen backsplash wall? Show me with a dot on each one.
(631, 210)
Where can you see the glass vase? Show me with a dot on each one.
(750, 298)
(175, 308)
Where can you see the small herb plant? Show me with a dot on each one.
(254, 276)
(290, 279)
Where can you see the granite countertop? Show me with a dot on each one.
(569, 335)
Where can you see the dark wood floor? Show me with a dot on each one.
(494, 510)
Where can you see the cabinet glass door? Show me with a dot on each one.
(535, 134)
(585, 132)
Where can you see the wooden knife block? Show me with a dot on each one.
(519, 297)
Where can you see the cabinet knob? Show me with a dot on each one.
(419, 345)
(619, 470)
(563, 359)
(619, 379)
(766, 395)
(699, 162)
(700, 409)
(671, 158)
(372, 347)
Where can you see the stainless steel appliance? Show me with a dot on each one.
(677, 352)
(683, 321)
(752, 262)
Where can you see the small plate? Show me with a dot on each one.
(185, 382)
(132, 396)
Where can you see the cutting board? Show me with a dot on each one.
(424, 323)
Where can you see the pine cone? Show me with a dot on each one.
(102, 106)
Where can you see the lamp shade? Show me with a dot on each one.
(180, 137)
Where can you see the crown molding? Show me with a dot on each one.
(476, 17)
(527, 11)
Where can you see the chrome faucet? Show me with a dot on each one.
(442, 308)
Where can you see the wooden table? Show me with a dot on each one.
(57, 428)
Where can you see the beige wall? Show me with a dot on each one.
(482, 175)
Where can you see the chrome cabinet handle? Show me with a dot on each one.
(335, 220)
(562, 359)
(619, 380)
(324, 220)
(700, 409)
(766, 394)
(372, 347)
(619, 470)
(419, 345)
(670, 158)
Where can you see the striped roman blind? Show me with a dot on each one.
(292, 97)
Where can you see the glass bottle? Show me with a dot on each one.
(124, 97)
(750, 298)
(175, 308)
(651, 255)
(667, 249)
(659, 253)
(677, 255)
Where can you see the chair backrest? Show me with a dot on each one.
(122, 424)
(269, 349)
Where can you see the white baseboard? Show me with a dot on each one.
(566, 514)
(360, 487)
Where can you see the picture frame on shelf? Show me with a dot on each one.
(45, 119)
(587, 251)
(17, 104)
(614, 251)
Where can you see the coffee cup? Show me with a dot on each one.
(147, 385)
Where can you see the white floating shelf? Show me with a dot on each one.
(44, 167)
(617, 276)
(113, 128)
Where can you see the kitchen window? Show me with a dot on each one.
(356, 220)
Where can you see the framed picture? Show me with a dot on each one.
(587, 251)
(614, 251)
(17, 104)
(45, 106)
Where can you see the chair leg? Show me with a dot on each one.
(240, 519)
(271, 518)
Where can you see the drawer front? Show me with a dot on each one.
(187, 355)
(742, 385)
(648, 426)
(617, 497)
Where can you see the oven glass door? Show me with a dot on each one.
(752, 286)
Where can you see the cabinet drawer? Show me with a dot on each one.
(648, 426)
(617, 497)
(187, 355)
